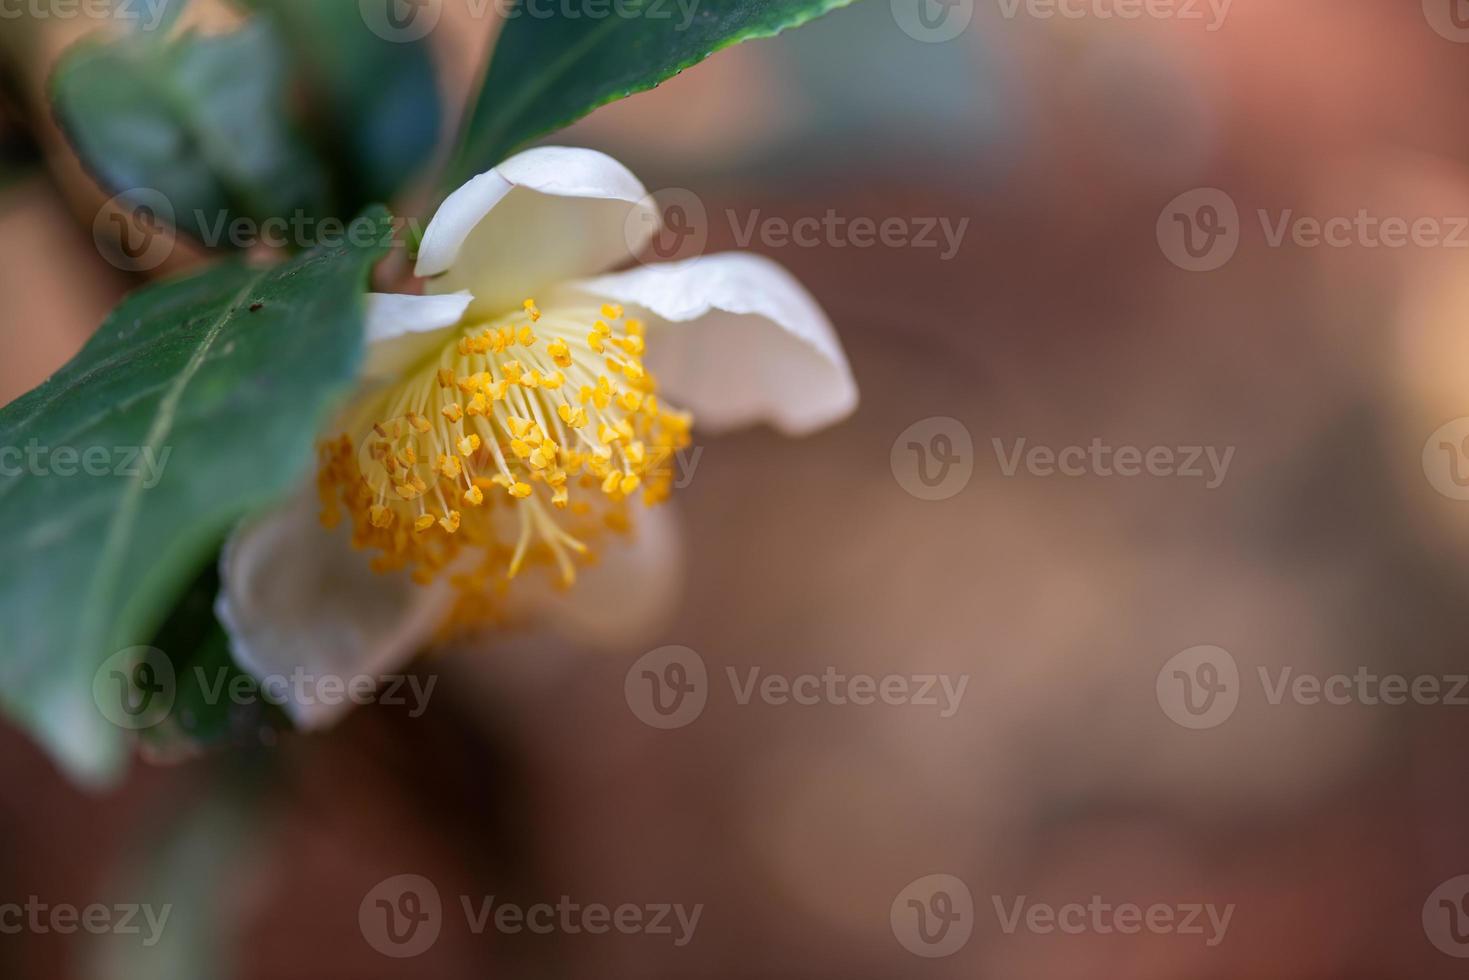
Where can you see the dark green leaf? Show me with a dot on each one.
(200, 121)
(195, 403)
(549, 70)
(205, 713)
(374, 103)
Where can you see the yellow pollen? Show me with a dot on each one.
(416, 462)
(574, 417)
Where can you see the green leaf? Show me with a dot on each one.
(549, 70)
(374, 103)
(203, 714)
(200, 120)
(196, 402)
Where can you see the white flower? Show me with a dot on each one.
(506, 422)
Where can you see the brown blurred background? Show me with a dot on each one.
(1325, 549)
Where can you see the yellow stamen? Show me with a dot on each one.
(492, 410)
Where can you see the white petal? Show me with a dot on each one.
(736, 339)
(400, 328)
(620, 603)
(558, 213)
(295, 596)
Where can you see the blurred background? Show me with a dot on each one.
(1069, 311)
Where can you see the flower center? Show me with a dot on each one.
(521, 441)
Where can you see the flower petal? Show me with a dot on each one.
(559, 212)
(619, 603)
(736, 339)
(295, 596)
(400, 328)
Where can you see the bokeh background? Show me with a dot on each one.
(1326, 548)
